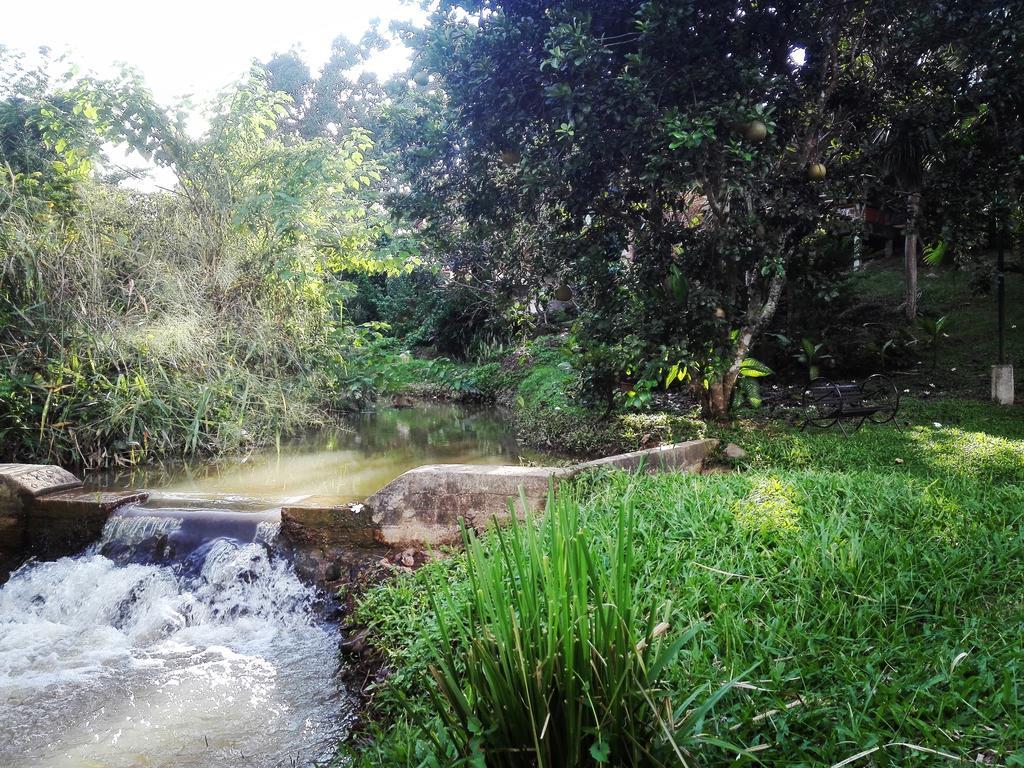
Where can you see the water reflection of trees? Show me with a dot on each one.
(430, 429)
(432, 432)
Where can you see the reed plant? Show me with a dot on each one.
(557, 659)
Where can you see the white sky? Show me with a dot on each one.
(195, 47)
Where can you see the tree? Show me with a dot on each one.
(906, 146)
(48, 140)
(340, 99)
(123, 315)
(308, 205)
(948, 124)
(657, 154)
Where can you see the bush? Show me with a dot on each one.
(423, 308)
(120, 342)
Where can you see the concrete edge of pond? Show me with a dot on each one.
(45, 513)
(423, 508)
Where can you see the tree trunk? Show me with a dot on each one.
(910, 255)
(716, 400)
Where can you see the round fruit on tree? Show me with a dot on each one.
(421, 78)
(755, 130)
(816, 171)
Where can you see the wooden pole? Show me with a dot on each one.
(910, 256)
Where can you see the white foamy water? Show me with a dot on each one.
(218, 661)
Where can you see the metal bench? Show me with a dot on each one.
(826, 403)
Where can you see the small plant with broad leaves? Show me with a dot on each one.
(811, 358)
(747, 389)
(934, 329)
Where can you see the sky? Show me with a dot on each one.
(196, 47)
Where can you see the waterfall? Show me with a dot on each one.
(179, 639)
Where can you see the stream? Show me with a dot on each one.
(183, 637)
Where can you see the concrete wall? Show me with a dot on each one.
(676, 457)
(326, 538)
(424, 507)
(45, 513)
(12, 531)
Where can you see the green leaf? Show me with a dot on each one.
(934, 254)
(673, 372)
(754, 368)
(600, 751)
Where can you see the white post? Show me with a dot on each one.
(1002, 384)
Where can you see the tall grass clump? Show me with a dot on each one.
(119, 343)
(557, 659)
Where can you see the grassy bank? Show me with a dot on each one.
(129, 333)
(968, 345)
(863, 596)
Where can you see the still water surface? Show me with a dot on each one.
(348, 462)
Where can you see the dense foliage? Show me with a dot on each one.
(672, 166)
(609, 149)
(195, 320)
(667, 181)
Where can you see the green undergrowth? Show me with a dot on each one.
(968, 344)
(564, 660)
(165, 390)
(536, 385)
(547, 413)
(858, 605)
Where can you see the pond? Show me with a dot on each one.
(347, 462)
(215, 654)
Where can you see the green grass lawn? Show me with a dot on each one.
(937, 440)
(863, 595)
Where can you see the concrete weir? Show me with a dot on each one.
(45, 513)
(424, 506)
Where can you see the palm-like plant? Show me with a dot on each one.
(934, 329)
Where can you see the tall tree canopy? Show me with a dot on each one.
(669, 159)
(673, 161)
